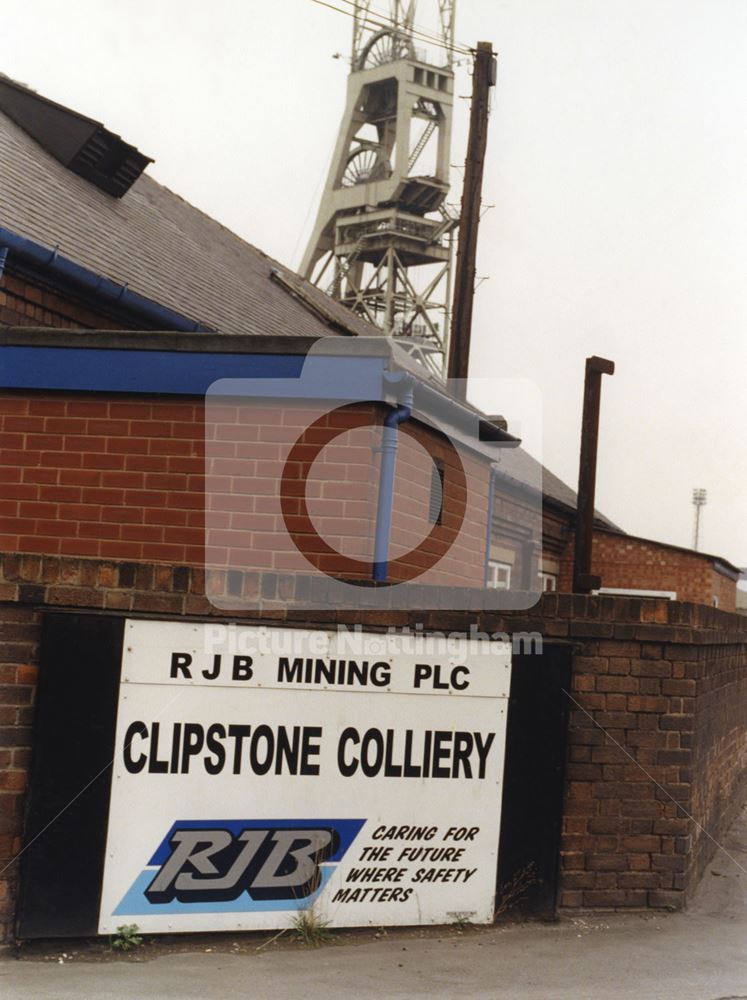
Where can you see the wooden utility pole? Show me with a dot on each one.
(583, 580)
(483, 78)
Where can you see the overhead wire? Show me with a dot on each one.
(387, 22)
(418, 32)
(312, 203)
(426, 34)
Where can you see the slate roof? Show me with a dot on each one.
(161, 246)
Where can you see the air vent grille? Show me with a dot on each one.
(435, 499)
(109, 163)
(83, 145)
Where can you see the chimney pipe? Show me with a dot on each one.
(583, 581)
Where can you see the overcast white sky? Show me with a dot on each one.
(616, 165)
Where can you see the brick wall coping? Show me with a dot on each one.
(161, 589)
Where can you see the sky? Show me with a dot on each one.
(615, 170)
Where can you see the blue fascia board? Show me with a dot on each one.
(190, 373)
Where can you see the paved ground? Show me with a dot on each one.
(698, 955)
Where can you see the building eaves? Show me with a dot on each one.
(17, 250)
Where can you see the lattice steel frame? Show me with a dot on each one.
(398, 273)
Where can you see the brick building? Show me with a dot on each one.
(121, 305)
(633, 566)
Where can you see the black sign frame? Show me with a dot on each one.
(62, 862)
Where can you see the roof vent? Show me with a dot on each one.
(79, 143)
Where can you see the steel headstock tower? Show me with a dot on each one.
(382, 240)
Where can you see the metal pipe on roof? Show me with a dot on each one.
(103, 288)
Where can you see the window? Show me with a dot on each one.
(499, 575)
(715, 600)
(548, 582)
(435, 500)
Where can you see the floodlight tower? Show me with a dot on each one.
(700, 498)
(382, 240)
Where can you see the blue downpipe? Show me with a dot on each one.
(390, 436)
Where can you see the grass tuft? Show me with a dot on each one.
(310, 929)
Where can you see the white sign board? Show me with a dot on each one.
(259, 771)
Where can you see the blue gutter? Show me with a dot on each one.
(102, 288)
(491, 505)
(392, 421)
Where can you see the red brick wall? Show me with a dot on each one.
(124, 478)
(119, 478)
(725, 590)
(659, 690)
(633, 563)
(719, 751)
(565, 560)
(247, 451)
(625, 842)
(23, 303)
(19, 636)
(463, 563)
(658, 720)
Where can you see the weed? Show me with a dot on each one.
(310, 929)
(461, 922)
(127, 937)
(511, 892)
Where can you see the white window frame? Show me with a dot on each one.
(499, 575)
(546, 578)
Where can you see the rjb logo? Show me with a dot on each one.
(207, 865)
(240, 865)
